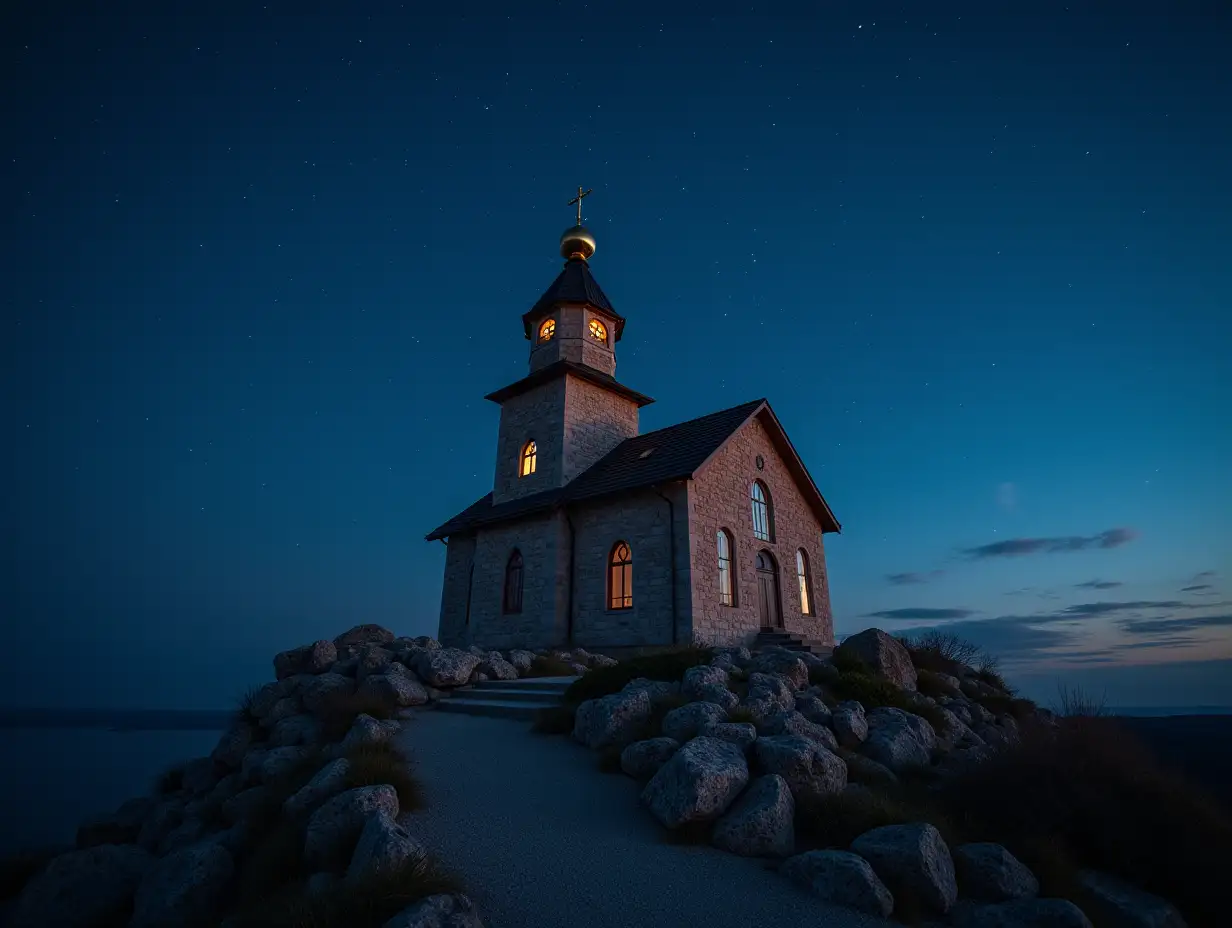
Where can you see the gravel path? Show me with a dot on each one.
(544, 840)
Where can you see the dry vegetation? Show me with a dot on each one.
(341, 710)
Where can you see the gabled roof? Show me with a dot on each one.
(560, 368)
(663, 456)
(575, 284)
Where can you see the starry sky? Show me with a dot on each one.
(263, 265)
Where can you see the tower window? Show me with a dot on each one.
(620, 577)
(763, 512)
(598, 330)
(529, 452)
(806, 581)
(511, 602)
(547, 330)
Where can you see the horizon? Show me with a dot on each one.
(264, 269)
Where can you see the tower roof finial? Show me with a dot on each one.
(577, 242)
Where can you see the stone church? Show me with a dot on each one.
(597, 536)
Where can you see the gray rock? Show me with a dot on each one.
(364, 634)
(685, 723)
(899, 739)
(270, 693)
(601, 660)
(841, 878)
(521, 659)
(761, 707)
(642, 759)
(300, 729)
(912, 859)
(578, 669)
(346, 668)
(336, 825)
(384, 845)
(656, 690)
(771, 686)
(163, 819)
(321, 883)
(277, 762)
(119, 827)
(371, 659)
(697, 677)
(82, 889)
(232, 746)
(395, 689)
(1113, 903)
(282, 709)
(250, 770)
(440, 911)
(614, 720)
(200, 776)
(884, 654)
(784, 664)
(793, 723)
(813, 709)
(310, 658)
(185, 888)
(329, 781)
(741, 734)
(698, 783)
(246, 803)
(367, 730)
(718, 694)
(188, 832)
(761, 822)
(867, 771)
(427, 642)
(328, 686)
(850, 724)
(497, 668)
(809, 769)
(990, 873)
(445, 667)
(1021, 913)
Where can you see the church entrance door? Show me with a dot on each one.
(768, 591)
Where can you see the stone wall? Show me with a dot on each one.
(596, 421)
(537, 414)
(572, 341)
(453, 630)
(719, 498)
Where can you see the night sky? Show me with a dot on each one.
(262, 266)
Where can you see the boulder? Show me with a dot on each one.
(841, 878)
(695, 678)
(698, 783)
(884, 654)
(265, 698)
(761, 707)
(685, 723)
(850, 724)
(439, 911)
(899, 739)
(364, 634)
(1113, 903)
(793, 723)
(163, 819)
(760, 823)
(809, 769)
(231, 747)
(383, 846)
(866, 771)
(328, 686)
(445, 666)
(426, 641)
(912, 860)
(784, 664)
(244, 804)
(199, 776)
(577, 669)
(656, 690)
(185, 888)
(615, 720)
(990, 873)
(334, 828)
(773, 687)
(1020, 913)
(642, 759)
(741, 734)
(394, 689)
(521, 659)
(371, 660)
(119, 827)
(367, 730)
(300, 729)
(188, 832)
(82, 889)
(320, 883)
(329, 781)
(598, 661)
(310, 658)
(718, 694)
(813, 709)
(277, 762)
(345, 668)
(497, 668)
(282, 709)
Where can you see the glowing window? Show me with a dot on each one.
(598, 330)
(802, 572)
(763, 514)
(727, 590)
(620, 577)
(528, 458)
(547, 330)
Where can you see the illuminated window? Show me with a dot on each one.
(802, 572)
(512, 600)
(763, 514)
(547, 330)
(620, 577)
(598, 330)
(528, 458)
(727, 590)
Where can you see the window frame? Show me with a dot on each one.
(804, 577)
(619, 602)
(763, 528)
(530, 453)
(511, 592)
(723, 538)
(592, 324)
(547, 330)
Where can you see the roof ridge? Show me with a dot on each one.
(709, 415)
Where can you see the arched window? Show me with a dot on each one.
(529, 450)
(547, 330)
(806, 582)
(598, 331)
(763, 512)
(727, 589)
(620, 577)
(512, 602)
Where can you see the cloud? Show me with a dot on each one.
(1007, 497)
(1203, 575)
(1015, 547)
(909, 579)
(1173, 626)
(1098, 585)
(1178, 642)
(1196, 588)
(915, 613)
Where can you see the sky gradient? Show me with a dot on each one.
(264, 267)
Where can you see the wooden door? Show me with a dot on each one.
(768, 591)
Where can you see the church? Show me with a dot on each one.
(596, 535)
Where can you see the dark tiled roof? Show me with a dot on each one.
(658, 457)
(559, 368)
(575, 284)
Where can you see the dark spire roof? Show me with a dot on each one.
(575, 284)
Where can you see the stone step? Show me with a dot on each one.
(492, 708)
(546, 684)
(540, 697)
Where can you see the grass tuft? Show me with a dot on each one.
(1021, 709)
(942, 652)
(374, 764)
(929, 683)
(873, 692)
(169, 781)
(1076, 702)
(341, 710)
(844, 661)
(245, 712)
(668, 665)
(547, 666)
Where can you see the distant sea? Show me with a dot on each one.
(63, 766)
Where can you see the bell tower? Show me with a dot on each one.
(570, 410)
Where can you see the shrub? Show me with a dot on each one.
(1021, 709)
(844, 661)
(929, 683)
(544, 666)
(554, 720)
(374, 764)
(340, 711)
(836, 820)
(1090, 792)
(667, 665)
(244, 711)
(940, 652)
(170, 781)
(875, 691)
(988, 671)
(1075, 702)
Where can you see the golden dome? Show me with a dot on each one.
(577, 242)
